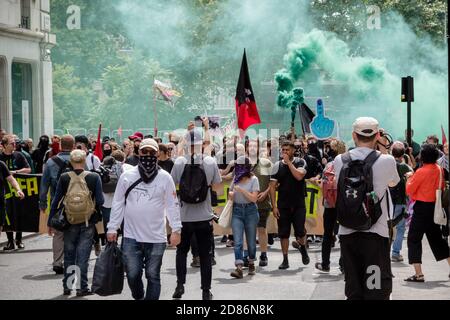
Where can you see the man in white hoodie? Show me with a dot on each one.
(144, 196)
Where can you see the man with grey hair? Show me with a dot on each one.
(78, 238)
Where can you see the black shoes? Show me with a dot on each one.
(83, 293)
(67, 292)
(10, 246)
(207, 295)
(304, 253)
(179, 291)
(284, 265)
(263, 261)
(58, 270)
(322, 268)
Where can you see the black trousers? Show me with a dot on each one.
(10, 236)
(367, 266)
(329, 226)
(203, 231)
(422, 223)
(194, 246)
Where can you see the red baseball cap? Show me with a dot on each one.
(136, 135)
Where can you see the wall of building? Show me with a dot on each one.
(21, 45)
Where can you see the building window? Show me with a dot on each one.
(25, 14)
(22, 99)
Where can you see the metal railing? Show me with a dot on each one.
(25, 22)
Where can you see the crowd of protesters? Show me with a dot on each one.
(159, 193)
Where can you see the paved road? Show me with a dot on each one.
(27, 275)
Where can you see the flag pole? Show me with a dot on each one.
(155, 129)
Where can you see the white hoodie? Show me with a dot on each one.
(146, 206)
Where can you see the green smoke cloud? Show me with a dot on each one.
(369, 84)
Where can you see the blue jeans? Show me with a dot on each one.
(78, 241)
(397, 244)
(245, 219)
(139, 255)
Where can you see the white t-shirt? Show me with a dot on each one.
(147, 207)
(92, 159)
(384, 173)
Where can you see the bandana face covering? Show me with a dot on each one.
(107, 153)
(240, 171)
(148, 168)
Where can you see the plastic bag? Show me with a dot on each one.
(108, 272)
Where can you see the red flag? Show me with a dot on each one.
(246, 109)
(444, 138)
(98, 146)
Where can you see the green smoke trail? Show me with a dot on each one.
(331, 55)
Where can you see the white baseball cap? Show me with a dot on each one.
(149, 143)
(366, 126)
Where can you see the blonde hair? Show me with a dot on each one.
(77, 156)
(340, 146)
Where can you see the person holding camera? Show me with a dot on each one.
(399, 199)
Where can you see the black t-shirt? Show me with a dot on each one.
(291, 192)
(166, 165)
(132, 160)
(14, 161)
(4, 173)
(38, 158)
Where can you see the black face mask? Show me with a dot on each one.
(136, 150)
(148, 168)
(331, 153)
(107, 153)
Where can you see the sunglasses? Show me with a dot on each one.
(170, 149)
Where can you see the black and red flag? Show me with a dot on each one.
(246, 109)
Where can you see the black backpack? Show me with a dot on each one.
(63, 165)
(193, 184)
(357, 205)
(109, 175)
